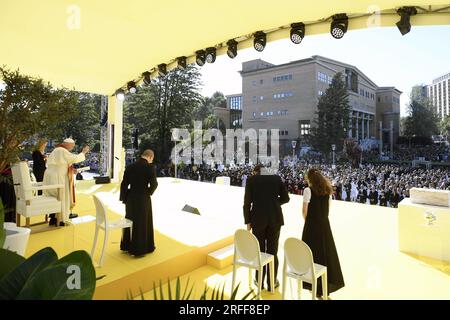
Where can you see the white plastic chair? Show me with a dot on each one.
(28, 202)
(299, 264)
(103, 223)
(247, 254)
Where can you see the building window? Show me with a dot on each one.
(305, 127)
(286, 132)
(254, 114)
(320, 93)
(261, 98)
(235, 103)
(262, 113)
(283, 95)
(254, 83)
(261, 81)
(285, 77)
(254, 99)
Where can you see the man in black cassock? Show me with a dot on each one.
(138, 184)
(264, 195)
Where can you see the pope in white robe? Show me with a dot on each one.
(58, 164)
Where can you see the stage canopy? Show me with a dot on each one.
(99, 45)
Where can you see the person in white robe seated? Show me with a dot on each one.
(60, 171)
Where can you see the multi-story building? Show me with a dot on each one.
(231, 116)
(285, 97)
(439, 94)
(388, 112)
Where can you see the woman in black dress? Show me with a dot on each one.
(39, 166)
(39, 159)
(317, 231)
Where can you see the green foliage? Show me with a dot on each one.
(84, 124)
(444, 126)
(181, 292)
(332, 122)
(168, 102)
(28, 107)
(421, 119)
(44, 277)
(2, 221)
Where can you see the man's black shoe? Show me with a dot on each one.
(62, 224)
(256, 284)
(277, 284)
(73, 215)
(52, 222)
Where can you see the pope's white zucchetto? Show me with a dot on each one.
(69, 140)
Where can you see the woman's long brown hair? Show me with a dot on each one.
(318, 183)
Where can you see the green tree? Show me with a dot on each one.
(421, 120)
(29, 107)
(168, 102)
(84, 125)
(444, 126)
(332, 121)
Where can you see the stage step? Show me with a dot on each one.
(221, 258)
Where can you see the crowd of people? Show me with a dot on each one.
(375, 184)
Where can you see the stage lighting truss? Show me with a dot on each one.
(404, 25)
(232, 48)
(259, 41)
(181, 63)
(120, 94)
(131, 87)
(297, 32)
(200, 57)
(210, 55)
(162, 69)
(339, 25)
(147, 77)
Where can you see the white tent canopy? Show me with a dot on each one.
(99, 45)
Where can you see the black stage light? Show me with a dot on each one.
(147, 78)
(404, 25)
(297, 32)
(200, 57)
(181, 61)
(162, 69)
(259, 41)
(339, 25)
(131, 87)
(120, 94)
(232, 48)
(210, 55)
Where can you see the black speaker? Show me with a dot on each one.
(190, 209)
(102, 180)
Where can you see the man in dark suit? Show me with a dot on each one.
(264, 195)
(138, 184)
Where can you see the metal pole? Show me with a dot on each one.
(175, 148)
(381, 137)
(392, 139)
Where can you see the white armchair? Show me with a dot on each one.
(28, 202)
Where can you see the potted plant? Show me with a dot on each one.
(43, 276)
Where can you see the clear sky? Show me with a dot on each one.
(383, 54)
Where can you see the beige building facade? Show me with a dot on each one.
(285, 97)
(439, 93)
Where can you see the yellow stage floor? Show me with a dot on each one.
(365, 236)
